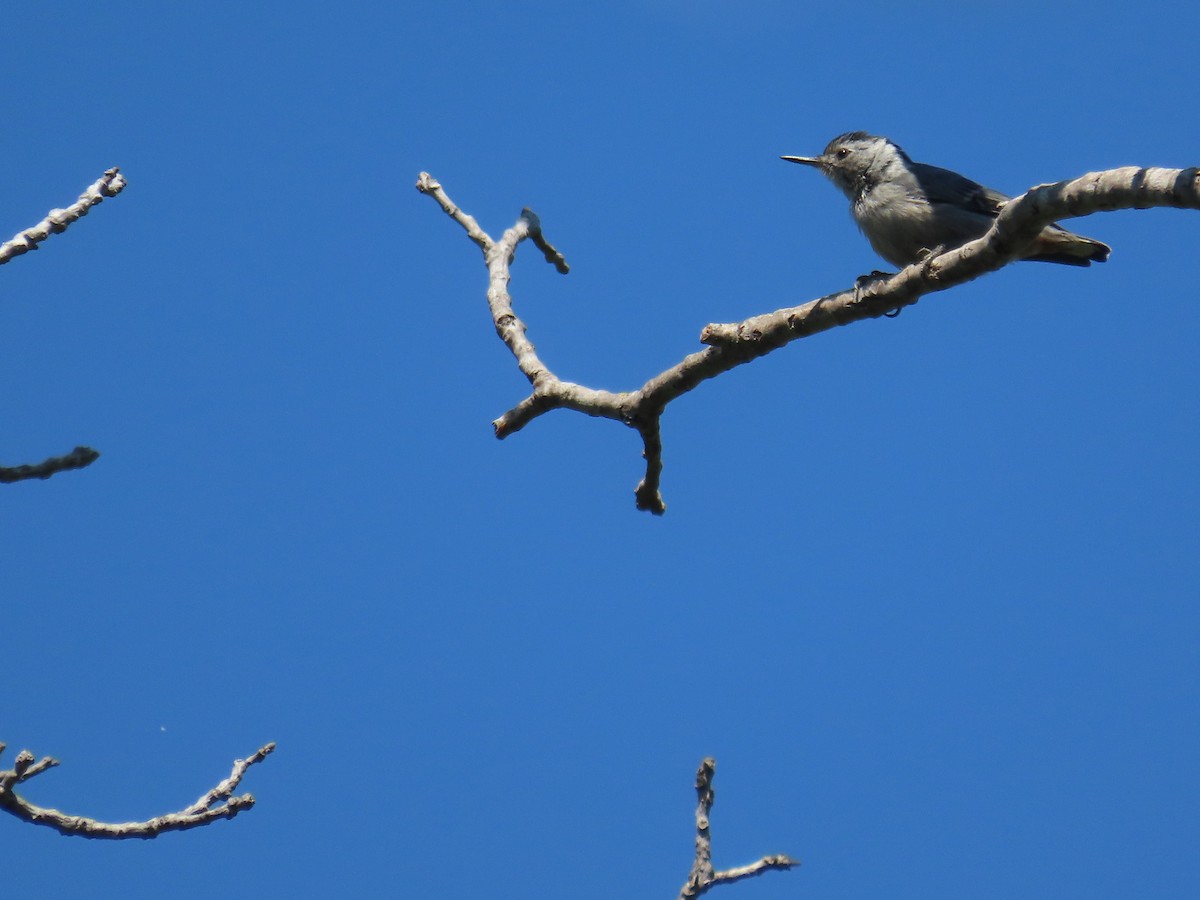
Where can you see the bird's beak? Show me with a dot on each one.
(804, 160)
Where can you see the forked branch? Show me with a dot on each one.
(731, 345)
(703, 876)
(217, 803)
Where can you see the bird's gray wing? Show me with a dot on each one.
(943, 186)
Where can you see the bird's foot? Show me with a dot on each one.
(928, 261)
(864, 281)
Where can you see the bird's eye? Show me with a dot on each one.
(843, 152)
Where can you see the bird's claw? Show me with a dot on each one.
(862, 281)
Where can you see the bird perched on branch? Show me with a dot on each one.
(907, 209)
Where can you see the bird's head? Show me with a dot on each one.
(855, 160)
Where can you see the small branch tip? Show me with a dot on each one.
(78, 458)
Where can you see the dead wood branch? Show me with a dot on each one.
(703, 876)
(731, 345)
(218, 803)
(109, 184)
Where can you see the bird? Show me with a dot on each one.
(909, 209)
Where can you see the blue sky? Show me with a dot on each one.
(926, 588)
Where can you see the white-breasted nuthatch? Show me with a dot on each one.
(907, 209)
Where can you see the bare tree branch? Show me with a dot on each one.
(218, 803)
(702, 877)
(731, 345)
(109, 184)
(76, 459)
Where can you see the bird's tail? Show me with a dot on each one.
(1058, 245)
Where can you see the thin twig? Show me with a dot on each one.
(429, 186)
(76, 459)
(552, 255)
(109, 184)
(647, 494)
